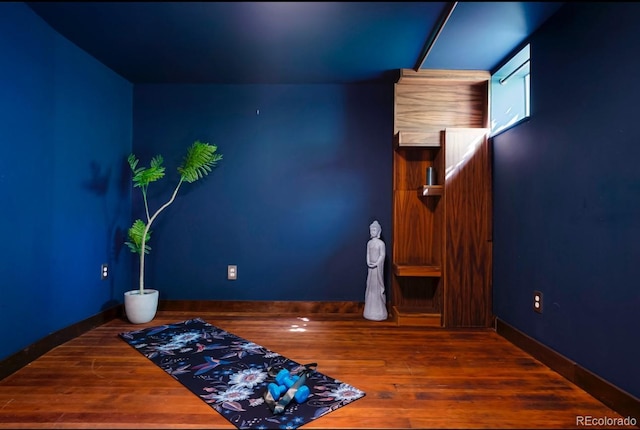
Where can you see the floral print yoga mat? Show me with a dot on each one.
(231, 374)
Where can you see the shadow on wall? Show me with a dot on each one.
(98, 184)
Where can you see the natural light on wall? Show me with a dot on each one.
(510, 101)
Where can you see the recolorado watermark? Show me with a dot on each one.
(591, 421)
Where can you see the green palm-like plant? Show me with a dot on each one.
(200, 159)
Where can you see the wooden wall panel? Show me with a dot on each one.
(468, 229)
(417, 230)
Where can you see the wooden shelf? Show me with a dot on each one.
(431, 190)
(416, 270)
(429, 138)
(413, 316)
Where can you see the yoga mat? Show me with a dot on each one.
(231, 374)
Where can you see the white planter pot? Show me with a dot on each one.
(141, 308)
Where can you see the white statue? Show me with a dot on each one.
(375, 302)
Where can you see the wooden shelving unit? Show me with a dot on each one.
(438, 117)
(418, 231)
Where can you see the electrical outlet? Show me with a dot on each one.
(537, 301)
(104, 271)
(232, 272)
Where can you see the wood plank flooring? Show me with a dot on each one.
(413, 378)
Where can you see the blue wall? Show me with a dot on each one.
(567, 194)
(65, 126)
(291, 201)
(306, 169)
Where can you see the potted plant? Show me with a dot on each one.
(141, 304)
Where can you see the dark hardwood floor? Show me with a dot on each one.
(413, 378)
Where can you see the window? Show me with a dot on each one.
(510, 96)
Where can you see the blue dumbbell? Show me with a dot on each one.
(276, 390)
(280, 377)
(284, 381)
(290, 380)
(302, 394)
